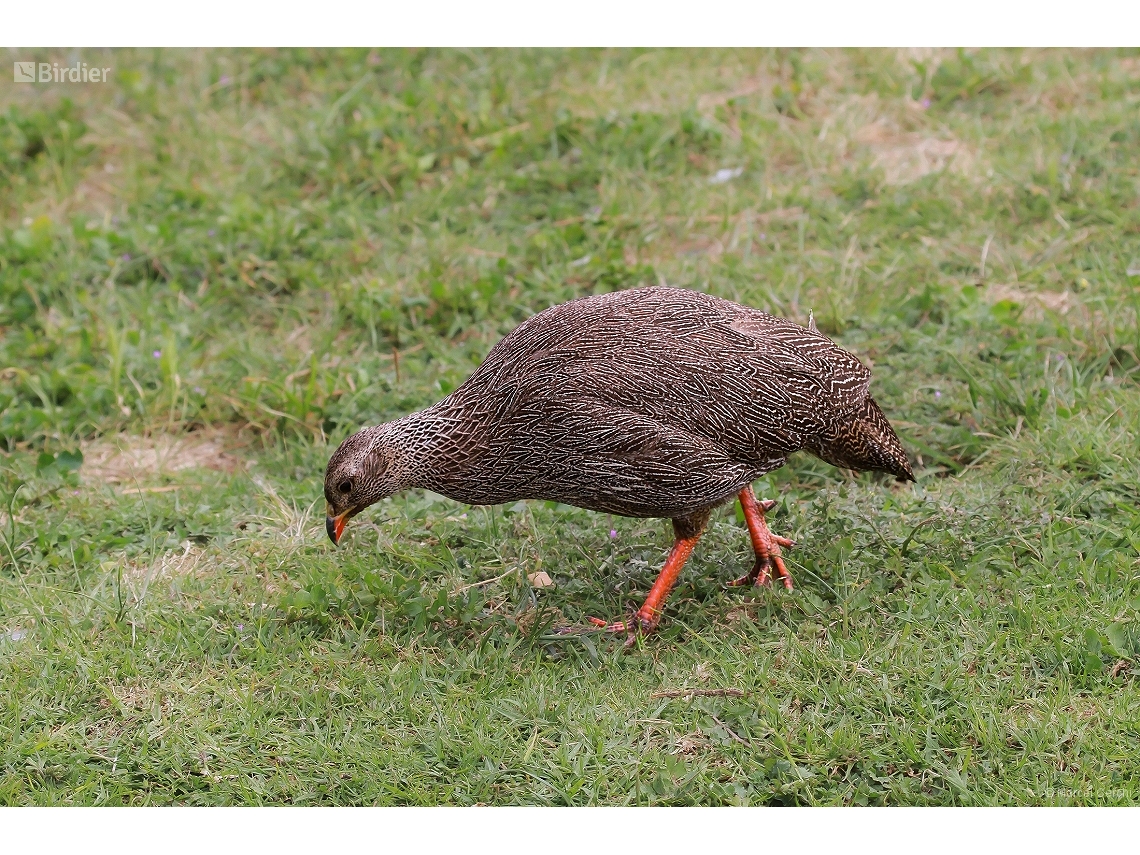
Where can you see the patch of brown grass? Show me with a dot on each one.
(170, 565)
(707, 102)
(131, 459)
(1034, 302)
(906, 157)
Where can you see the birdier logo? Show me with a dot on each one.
(53, 72)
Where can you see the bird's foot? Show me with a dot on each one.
(760, 575)
(633, 626)
(637, 624)
(645, 620)
(766, 545)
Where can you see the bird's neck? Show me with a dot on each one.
(431, 443)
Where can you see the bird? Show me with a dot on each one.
(657, 402)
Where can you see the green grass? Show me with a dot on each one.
(277, 247)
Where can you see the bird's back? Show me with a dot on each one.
(649, 401)
(690, 360)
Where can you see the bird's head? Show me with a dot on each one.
(862, 440)
(366, 468)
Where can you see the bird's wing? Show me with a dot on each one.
(752, 382)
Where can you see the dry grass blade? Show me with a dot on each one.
(699, 693)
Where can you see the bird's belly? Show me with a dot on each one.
(609, 461)
(623, 493)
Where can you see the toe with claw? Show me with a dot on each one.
(637, 624)
(765, 545)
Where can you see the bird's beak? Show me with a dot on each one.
(335, 525)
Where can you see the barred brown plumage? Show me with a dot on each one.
(655, 402)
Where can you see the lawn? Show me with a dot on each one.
(219, 264)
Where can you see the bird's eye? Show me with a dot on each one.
(345, 487)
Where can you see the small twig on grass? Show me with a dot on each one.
(396, 354)
(699, 693)
(484, 582)
(730, 731)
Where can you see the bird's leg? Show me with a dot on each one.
(646, 618)
(765, 544)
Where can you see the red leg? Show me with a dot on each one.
(687, 531)
(646, 618)
(765, 544)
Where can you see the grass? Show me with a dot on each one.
(276, 247)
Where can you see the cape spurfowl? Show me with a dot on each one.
(657, 402)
